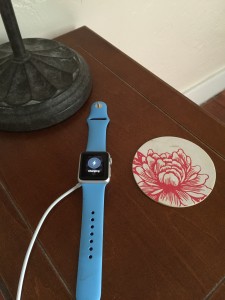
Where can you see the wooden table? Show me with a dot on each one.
(150, 251)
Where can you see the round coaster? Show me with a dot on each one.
(174, 171)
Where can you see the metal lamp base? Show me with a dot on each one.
(48, 85)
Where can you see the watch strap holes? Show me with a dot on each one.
(98, 119)
(91, 234)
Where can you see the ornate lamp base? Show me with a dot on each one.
(47, 86)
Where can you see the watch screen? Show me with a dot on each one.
(94, 166)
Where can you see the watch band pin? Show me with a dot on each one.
(98, 105)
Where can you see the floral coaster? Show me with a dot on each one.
(174, 171)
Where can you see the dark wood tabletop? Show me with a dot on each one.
(150, 251)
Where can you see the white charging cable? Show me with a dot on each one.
(25, 262)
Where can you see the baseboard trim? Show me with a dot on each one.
(207, 89)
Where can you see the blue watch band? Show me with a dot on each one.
(97, 121)
(89, 276)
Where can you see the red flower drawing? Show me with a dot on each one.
(170, 178)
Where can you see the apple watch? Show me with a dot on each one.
(94, 174)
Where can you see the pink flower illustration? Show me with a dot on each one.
(170, 178)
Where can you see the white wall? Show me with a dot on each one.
(182, 42)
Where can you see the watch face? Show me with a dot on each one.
(94, 166)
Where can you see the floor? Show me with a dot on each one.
(216, 106)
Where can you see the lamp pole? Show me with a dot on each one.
(12, 29)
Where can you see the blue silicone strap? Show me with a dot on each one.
(97, 122)
(89, 277)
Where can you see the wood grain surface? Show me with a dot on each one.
(216, 107)
(150, 251)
